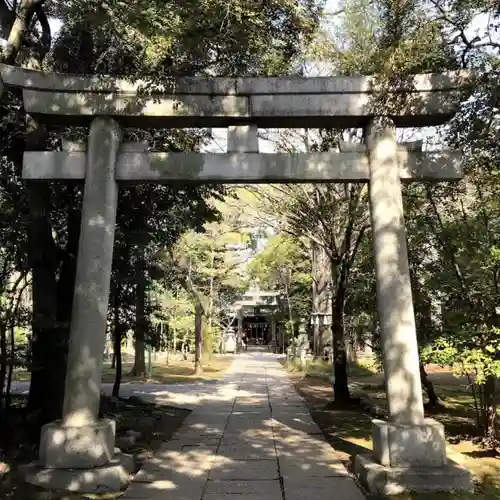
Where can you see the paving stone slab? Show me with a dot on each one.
(243, 425)
(177, 467)
(288, 410)
(212, 420)
(257, 412)
(254, 418)
(191, 433)
(275, 401)
(306, 467)
(285, 397)
(228, 448)
(289, 415)
(247, 452)
(306, 443)
(153, 475)
(245, 469)
(250, 408)
(193, 448)
(331, 487)
(163, 490)
(194, 441)
(253, 386)
(237, 496)
(249, 436)
(251, 400)
(202, 429)
(270, 487)
(294, 402)
(297, 426)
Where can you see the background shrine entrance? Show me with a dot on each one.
(257, 330)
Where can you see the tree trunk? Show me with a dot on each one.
(117, 340)
(19, 29)
(49, 341)
(48, 368)
(429, 388)
(141, 324)
(198, 335)
(117, 354)
(352, 352)
(341, 381)
(491, 417)
(3, 362)
(321, 274)
(118, 332)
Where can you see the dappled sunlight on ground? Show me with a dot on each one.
(349, 430)
(252, 437)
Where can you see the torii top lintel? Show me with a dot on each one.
(281, 102)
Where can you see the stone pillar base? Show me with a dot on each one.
(381, 480)
(85, 447)
(112, 477)
(410, 458)
(397, 445)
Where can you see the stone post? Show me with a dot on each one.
(240, 326)
(408, 445)
(93, 274)
(273, 335)
(81, 440)
(394, 297)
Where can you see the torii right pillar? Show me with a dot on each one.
(409, 450)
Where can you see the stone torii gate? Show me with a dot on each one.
(409, 450)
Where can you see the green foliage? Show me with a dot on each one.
(468, 353)
(284, 265)
(158, 39)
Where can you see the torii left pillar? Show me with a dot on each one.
(82, 442)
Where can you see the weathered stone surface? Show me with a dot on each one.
(307, 467)
(164, 490)
(263, 488)
(177, 467)
(396, 445)
(245, 469)
(394, 295)
(93, 274)
(230, 470)
(15, 76)
(237, 452)
(237, 496)
(243, 167)
(77, 447)
(113, 476)
(132, 432)
(379, 479)
(201, 102)
(283, 424)
(328, 487)
(125, 442)
(340, 110)
(242, 139)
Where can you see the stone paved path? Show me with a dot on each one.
(251, 439)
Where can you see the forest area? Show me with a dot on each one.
(184, 254)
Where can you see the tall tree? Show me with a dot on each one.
(133, 42)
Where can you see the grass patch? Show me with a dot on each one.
(348, 429)
(313, 368)
(177, 371)
(319, 368)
